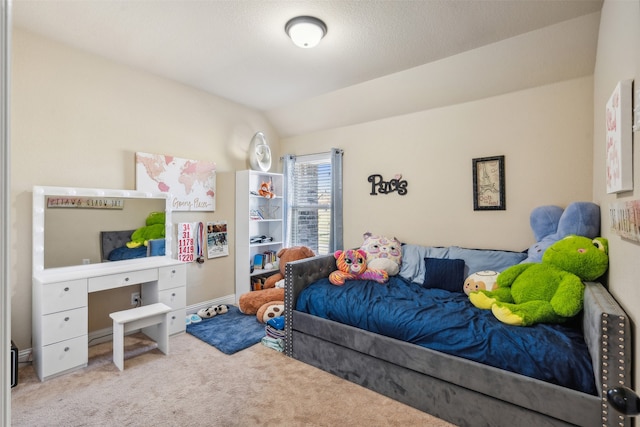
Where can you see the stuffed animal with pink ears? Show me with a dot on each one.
(352, 265)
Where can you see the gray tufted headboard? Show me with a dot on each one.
(109, 240)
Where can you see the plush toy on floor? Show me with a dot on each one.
(352, 265)
(154, 229)
(286, 255)
(251, 302)
(547, 292)
(209, 312)
(270, 310)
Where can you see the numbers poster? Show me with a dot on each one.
(186, 242)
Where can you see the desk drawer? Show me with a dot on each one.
(174, 298)
(64, 325)
(124, 279)
(64, 295)
(176, 321)
(172, 276)
(64, 355)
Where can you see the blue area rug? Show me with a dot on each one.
(229, 332)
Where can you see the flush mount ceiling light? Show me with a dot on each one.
(305, 31)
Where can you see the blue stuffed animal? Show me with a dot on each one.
(552, 223)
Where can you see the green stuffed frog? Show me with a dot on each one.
(547, 292)
(154, 229)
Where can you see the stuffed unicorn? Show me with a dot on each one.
(352, 265)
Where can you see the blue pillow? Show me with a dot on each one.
(156, 247)
(412, 267)
(441, 273)
(485, 259)
(123, 252)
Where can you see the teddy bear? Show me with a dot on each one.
(251, 302)
(383, 253)
(286, 255)
(548, 292)
(265, 191)
(352, 265)
(552, 223)
(270, 310)
(154, 229)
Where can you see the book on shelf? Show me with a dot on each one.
(260, 261)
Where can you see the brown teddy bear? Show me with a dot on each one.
(285, 255)
(250, 302)
(270, 310)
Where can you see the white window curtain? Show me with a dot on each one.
(313, 200)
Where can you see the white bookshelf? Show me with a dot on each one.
(256, 216)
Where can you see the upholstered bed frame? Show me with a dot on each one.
(110, 240)
(460, 391)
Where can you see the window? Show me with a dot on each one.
(313, 186)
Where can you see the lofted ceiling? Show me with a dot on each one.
(238, 50)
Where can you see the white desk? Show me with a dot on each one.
(60, 305)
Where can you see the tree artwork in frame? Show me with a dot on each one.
(488, 184)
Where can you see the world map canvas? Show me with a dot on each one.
(191, 183)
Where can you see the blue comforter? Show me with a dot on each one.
(447, 322)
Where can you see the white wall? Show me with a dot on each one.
(618, 59)
(544, 133)
(77, 120)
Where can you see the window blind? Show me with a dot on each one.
(314, 201)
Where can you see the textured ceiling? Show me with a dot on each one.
(237, 49)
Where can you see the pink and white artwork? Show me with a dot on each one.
(191, 183)
(618, 139)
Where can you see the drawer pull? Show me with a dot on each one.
(66, 319)
(126, 279)
(66, 289)
(173, 272)
(66, 349)
(173, 294)
(173, 317)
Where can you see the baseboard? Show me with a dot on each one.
(228, 300)
(106, 334)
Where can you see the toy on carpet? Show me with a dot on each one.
(552, 223)
(548, 292)
(383, 253)
(209, 312)
(251, 302)
(265, 190)
(154, 229)
(352, 265)
(270, 310)
(485, 280)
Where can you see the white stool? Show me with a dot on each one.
(136, 318)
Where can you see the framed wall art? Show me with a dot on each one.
(619, 123)
(489, 184)
(191, 183)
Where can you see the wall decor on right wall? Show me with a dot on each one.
(624, 219)
(488, 184)
(619, 122)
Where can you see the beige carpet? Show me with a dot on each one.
(197, 385)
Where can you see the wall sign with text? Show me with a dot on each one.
(380, 186)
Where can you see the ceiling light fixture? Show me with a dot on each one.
(305, 31)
